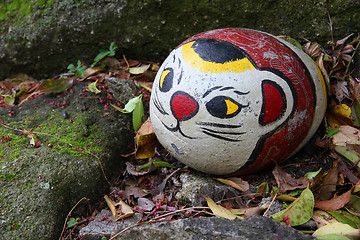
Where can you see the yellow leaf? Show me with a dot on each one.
(145, 141)
(236, 183)
(339, 115)
(119, 210)
(219, 210)
(338, 228)
(139, 70)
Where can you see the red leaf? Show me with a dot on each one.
(335, 203)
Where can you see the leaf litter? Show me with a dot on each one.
(323, 187)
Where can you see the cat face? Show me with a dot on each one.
(216, 108)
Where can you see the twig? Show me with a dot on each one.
(330, 24)
(67, 217)
(272, 201)
(352, 56)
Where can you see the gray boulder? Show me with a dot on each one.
(40, 185)
(254, 228)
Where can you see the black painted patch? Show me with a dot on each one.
(217, 51)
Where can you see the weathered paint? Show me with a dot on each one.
(235, 101)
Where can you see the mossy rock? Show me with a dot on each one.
(39, 185)
(42, 37)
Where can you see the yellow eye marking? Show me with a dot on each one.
(231, 107)
(195, 61)
(163, 75)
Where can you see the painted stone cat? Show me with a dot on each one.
(235, 101)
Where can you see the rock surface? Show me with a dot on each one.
(40, 185)
(257, 227)
(42, 38)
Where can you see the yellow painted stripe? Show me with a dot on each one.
(162, 77)
(195, 61)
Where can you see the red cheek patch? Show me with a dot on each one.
(274, 102)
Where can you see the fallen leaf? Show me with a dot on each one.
(335, 203)
(219, 210)
(146, 85)
(339, 115)
(346, 135)
(55, 85)
(157, 163)
(299, 211)
(349, 154)
(133, 191)
(145, 141)
(160, 188)
(286, 182)
(139, 70)
(262, 190)
(328, 184)
(342, 217)
(92, 87)
(322, 218)
(355, 202)
(250, 211)
(120, 209)
(338, 228)
(236, 183)
(138, 170)
(145, 204)
(333, 236)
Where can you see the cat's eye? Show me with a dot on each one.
(166, 79)
(223, 107)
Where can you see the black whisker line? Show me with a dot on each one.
(159, 106)
(221, 137)
(219, 125)
(229, 133)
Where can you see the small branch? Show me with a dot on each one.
(67, 217)
(352, 56)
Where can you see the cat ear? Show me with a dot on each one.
(277, 103)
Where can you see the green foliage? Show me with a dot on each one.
(72, 222)
(92, 87)
(134, 106)
(157, 163)
(79, 70)
(7, 177)
(105, 53)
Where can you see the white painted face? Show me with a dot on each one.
(213, 113)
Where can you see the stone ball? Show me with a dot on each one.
(236, 101)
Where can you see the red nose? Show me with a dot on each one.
(183, 106)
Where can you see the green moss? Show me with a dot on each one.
(22, 9)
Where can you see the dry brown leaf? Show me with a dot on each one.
(286, 182)
(133, 191)
(236, 183)
(120, 209)
(335, 203)
(146, 141)
(135, 170)
(322, 218)
(328, 185)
